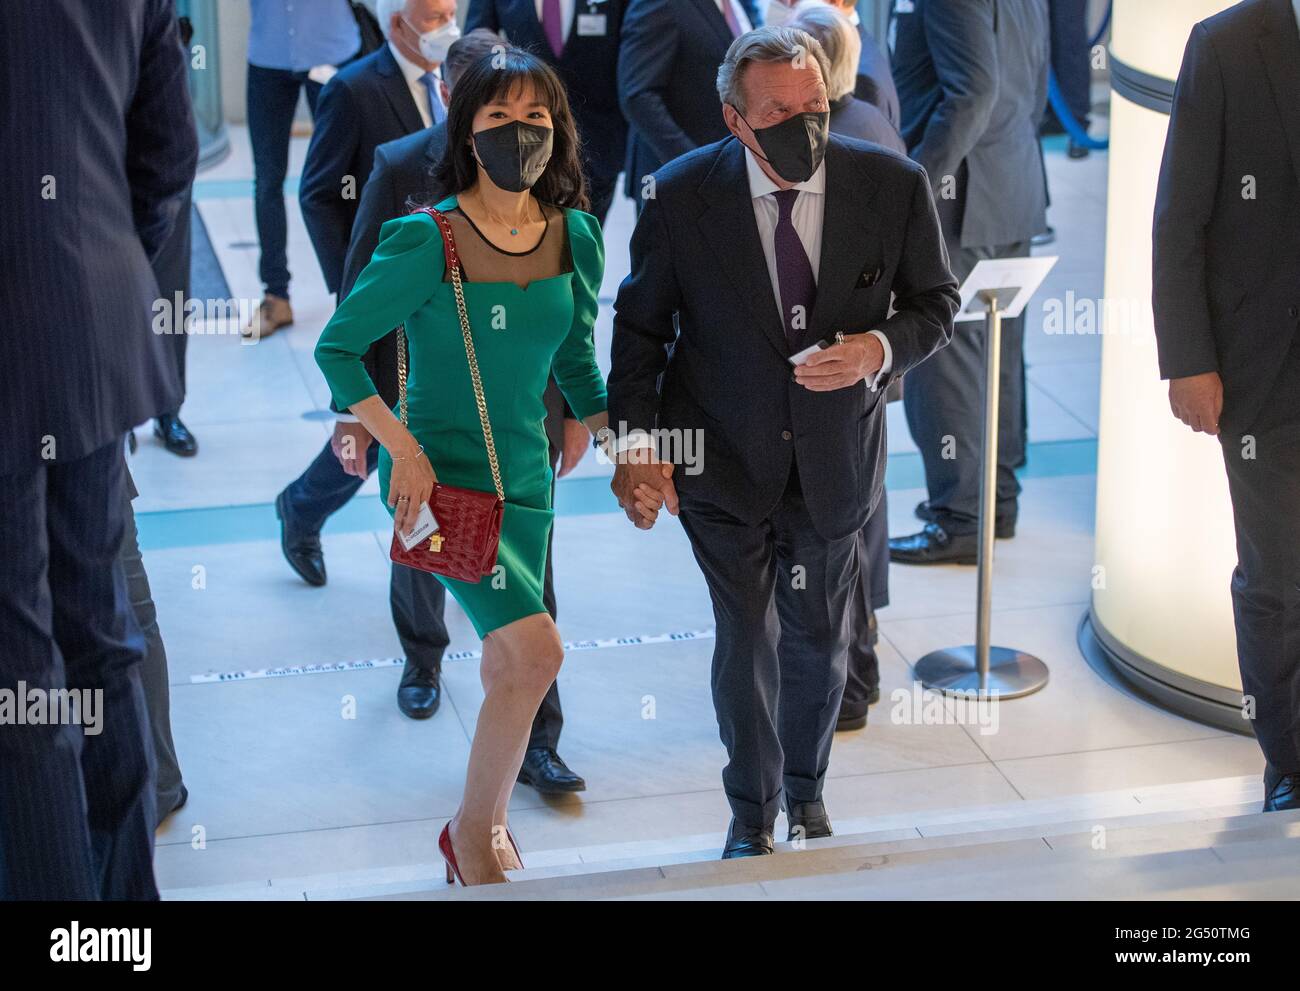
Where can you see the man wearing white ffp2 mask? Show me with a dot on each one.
(419, 33)
(779, 12)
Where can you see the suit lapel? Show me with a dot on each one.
(1279, 43)
(729, 227)
(850, 237)
(398, 93)
(524, 28)
(709, 10)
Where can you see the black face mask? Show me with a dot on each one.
(514, 155)
(795, 147)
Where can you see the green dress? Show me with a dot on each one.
(521, 336)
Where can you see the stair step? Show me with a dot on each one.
(1218, 803)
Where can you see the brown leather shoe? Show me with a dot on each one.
(273, 313)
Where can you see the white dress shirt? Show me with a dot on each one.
(412, 73)
(807, 216)
(566, 16)
(741, 17)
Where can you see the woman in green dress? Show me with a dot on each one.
(531, 267)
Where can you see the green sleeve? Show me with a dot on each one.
(404, 272)
(574, 367)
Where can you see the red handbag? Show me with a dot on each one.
(469, 521)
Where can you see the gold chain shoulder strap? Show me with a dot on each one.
(453, 266)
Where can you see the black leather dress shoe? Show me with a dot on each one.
(744, 841)
(1004, 527)
(301, 550)
(1285, 795)
(545, 771)
(809, 821)
(934, 545)
(176, 437)
(850, 722)
(419, 692)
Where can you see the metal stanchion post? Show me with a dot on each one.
(1000, 672)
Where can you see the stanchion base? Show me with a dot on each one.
(1012, 673)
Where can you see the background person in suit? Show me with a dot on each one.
(580, 40)
(403, 176)
(852, 117)
(972, 76)
(395, 90)
(290, 49)
(1226, 295)
(875, 82)
(381, 97)
(670, 52)
(752, 249)
(98, 161)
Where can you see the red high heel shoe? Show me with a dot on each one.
(449, 856)
(518, 856)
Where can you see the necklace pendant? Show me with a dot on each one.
(514, 231)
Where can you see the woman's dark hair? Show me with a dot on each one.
(497, 76)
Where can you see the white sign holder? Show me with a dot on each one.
(994, 290)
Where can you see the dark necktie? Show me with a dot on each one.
(551, 26)
(794, 272)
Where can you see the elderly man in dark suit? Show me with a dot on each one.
(972, 77)
(580, 39)
(1226, 295)
(752, 250)
(669, 54)
(403, 176)
(98, 164)
(393, 91)
(853, 117)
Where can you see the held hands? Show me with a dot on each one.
(410, 486)
(350, 443)
(842, 365)
(1197, 400)
(643, 484)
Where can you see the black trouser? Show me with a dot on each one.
(154, 678)
(600, 191)
(944, 403)
(272, 100)
(172, 270)
(1265, 490)
(780, 599)
(872, 594)
(417, 599)
(76, 809)
(1071, 57)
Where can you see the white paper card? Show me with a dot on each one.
(591, 25)
(425, 526)
(1014, 280)
(803, 356)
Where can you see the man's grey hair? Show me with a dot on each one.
(384, 11)
(766, 44)
(838, 38)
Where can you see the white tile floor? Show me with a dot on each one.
(314, 773)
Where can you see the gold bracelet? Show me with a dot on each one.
(409, 457)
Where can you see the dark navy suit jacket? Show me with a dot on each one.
(1226, 272)
(588, 66)
(99, 149)
(667, 73)
(876, 79)
(699, 343)
(364, 105)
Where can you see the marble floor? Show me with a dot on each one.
(298, 762)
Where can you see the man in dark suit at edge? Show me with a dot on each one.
(1226, 296)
